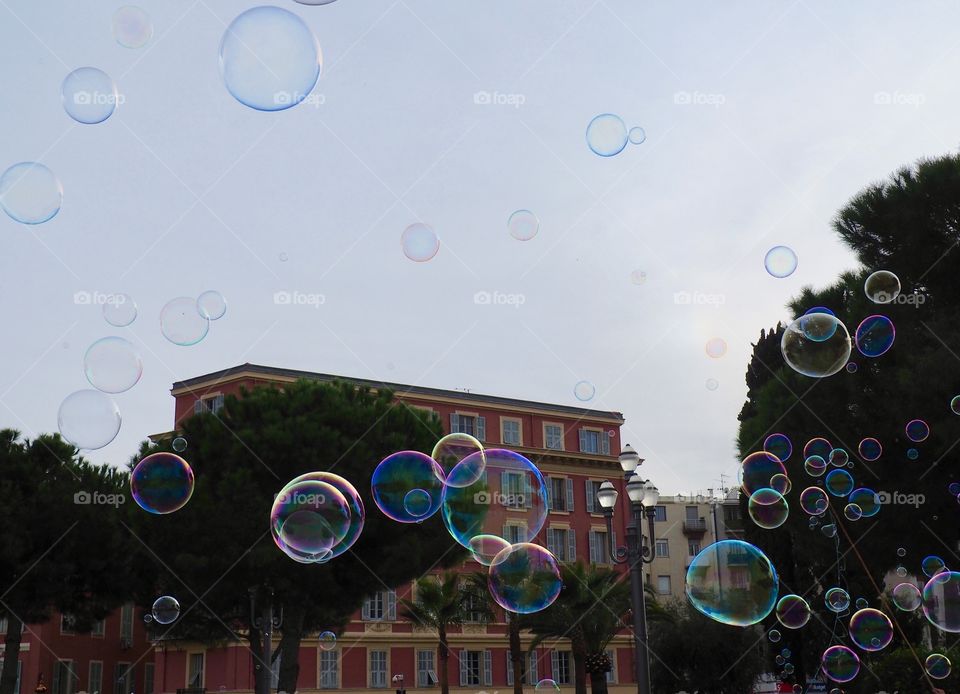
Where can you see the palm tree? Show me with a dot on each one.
(443, 601)
(478, 580)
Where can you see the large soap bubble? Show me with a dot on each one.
(89, 419)
(357, 517)
(524, 578)
(308, 519)
(732, 582)
(162, 483)
(407, 486)
(816, 345)
(941, 601)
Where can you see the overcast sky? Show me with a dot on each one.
(762, 120)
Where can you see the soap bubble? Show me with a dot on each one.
(758, 469)
(419, 242)
(89, 419)
(941, 601)
(932, 565)
(584, 391)
(732, 582)
(840, 664)
(607, 135)
(917, 430)
(328, 640)
(875, 335)
(870, 449)
(397, 476)
(211, 305)
(181, 323)
(937, 666)
(132, 27)
(113, 365)
(768, 509)
(89, 95)
(453, 448)
(30, 193)
(637, 135)
(882, 287)
(162, 483)
(716, 347)
(793, 611)
(120, 310)
(778, 445)
(906, 596)
(816, 345)
(357, 517)
(837, 599)
(524, 578)
(870, 629)
(179, 444)
(308, 519)
(780, 262)
(523, 225)
(165, 610)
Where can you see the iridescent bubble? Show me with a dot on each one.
(902, 571)
(120, 310)
(607, 135)
(875, 335)
(913, 453)
(637, 135)
(817, 446)
(308, 519)
(917, 430)
(815, 466)
(165, 610)
(485, 548)
(162, 483)
(813, 501)
(901, 552)
(328, 640)
(780, 262)
(524, 578)
(838, 457)
(269, 59)
(547, 686)
(867, 500)
(30, 193)
(941, 601)
(638, 277)
(861, 603)
(816, 345)
(148, 618)
(906, 596)
(839, 483)
(758, 469)
(113, 365)
(132, 27)
(955, 404)
(181, 322)
(954, 488)
(840, 664)
(453, 448)
(417, 502)
(852, 512)
(712, 384)
(779, 660)
(584, 391)
(88, 419)
(852, 367)
(829, 530)
(793, 611)
(357, 517)
(179, 444)
(778, 445)
(716, 347)
(774, 636)
(768, 509)
(781, 483)
(870, 449)
(509, 501)
(523, 225)
(837, 599)
(882, 287)
(211, 305)
(871, 630)
(419, 242)
(932, 565)
(89, 95)
(788, 670)
(399, 474)
(732, 582)
(819, 309)
(937, 666)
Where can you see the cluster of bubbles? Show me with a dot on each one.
(608, 135)
(185, 321)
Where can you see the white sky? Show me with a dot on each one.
(399, 138)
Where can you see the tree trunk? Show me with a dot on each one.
(516, 655)
(8, 680)
(579, 667)
(598, 683)
(289, 650)
(443, 655)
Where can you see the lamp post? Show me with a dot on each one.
(643, 497)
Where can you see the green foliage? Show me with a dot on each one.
(448, 600)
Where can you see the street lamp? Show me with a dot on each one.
(643, 497)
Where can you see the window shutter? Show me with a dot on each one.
(592, 537)
(549, 488)
(555, 665)
(532, 672)
(463, 668)
(509, 669)
(604, 443)
(550, 543)
(365, 612)
(527, 491)
(482, 428)
(487, 668)
(504, 484)
(583, 441)
(569, 493)
(572, 545)
(391, 605)
(217, 403)
(591, 494)
(197, 406)
(612, 673)
(454, 423)
(57, 668)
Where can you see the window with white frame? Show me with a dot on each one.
(553, 437)
(511, 431)
(123, 678)
(599, 544)
(426, 668)
(95, 677)
(663, 585)
(473, 608)
(99, 628)
(593, 441)
(195, 671)
(693, 548)
(560, 493)
(148, 671)
(516, 491)
(381, 606)
(473, 425)
(212, 404)
(476, 668)
(329, 669)
(660, 513)
(612, 672)
(514, 533)
(378, 669)
(126, 625)
(561, 666)
(663, 548)
(593, 503)
(528, 671)
(64, 677)
(562, 543)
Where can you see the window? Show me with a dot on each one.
(592, 441)
(126, 625)
(515, 490)
(3, 625)
(561, 667)
(510, 431)
(560, 493)
(663, 548)
(476, 668)
(612, 673)
(515, 533)
(693, 548)
(95, 677)
(473, 606)
(593, 504)
(692, 514)
(663, 585)
(553, 437)
(469, 424)
(660, 513)
(195, 671)
(329, 669)
(426, 670)
(122, 680)
(67, 623)
(64, 677)
(16, 686)
(598, 547)
(378, 669)
(212, 404)
(147, 678)
(562, 543)
(99, 628)
(381, 606)
(528, 674)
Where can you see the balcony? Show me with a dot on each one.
(695, 527)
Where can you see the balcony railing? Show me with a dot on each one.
(695, 527)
